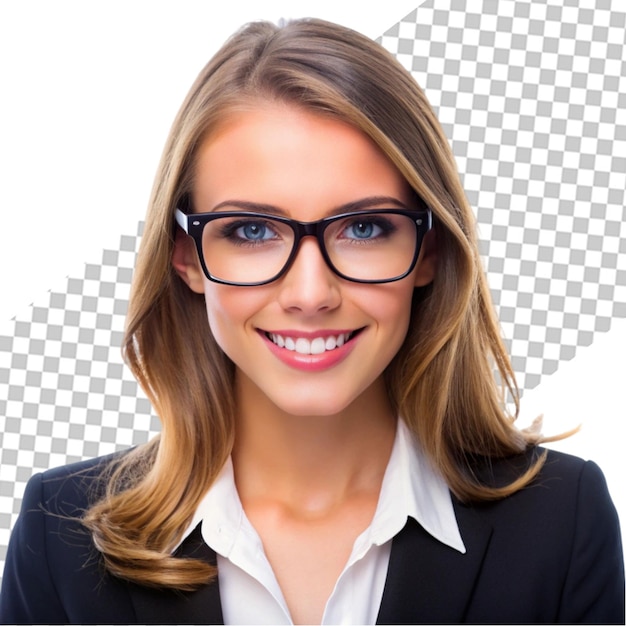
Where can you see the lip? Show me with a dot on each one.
(311, 362)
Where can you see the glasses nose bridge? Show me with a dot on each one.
(309, 229)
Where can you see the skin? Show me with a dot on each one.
(302, 434)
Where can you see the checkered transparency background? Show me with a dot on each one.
(533, 98)
(532, 95)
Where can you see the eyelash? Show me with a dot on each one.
(228, 231)
(385, 226)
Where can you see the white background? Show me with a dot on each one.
(88, 91)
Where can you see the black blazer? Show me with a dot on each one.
(550, 553)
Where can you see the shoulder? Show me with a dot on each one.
(548, 553)
(56, 499)
(557, 538)
(53, 572)
(573, 477)
(566, 486)
(87, 469)
(559, 471)
(564, 512)
(54, 502)
(566, 468)
(69, 489)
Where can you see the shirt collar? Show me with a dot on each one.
(411, 488)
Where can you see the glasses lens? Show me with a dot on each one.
(246, 250)
(372, 246)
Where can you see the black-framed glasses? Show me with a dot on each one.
(249, 249)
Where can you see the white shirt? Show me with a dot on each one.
(249, 591)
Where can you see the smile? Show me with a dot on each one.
(303, 345)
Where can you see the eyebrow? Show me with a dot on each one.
(356, 205)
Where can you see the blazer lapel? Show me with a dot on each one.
(429, 582)
(203, 606)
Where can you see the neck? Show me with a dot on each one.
(311, 463)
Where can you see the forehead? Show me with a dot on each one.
(289, 157)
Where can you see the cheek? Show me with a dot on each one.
(228, 310)
(399, 322)
(391, 310)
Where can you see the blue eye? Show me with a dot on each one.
(364, 230)
(247, 231)
(368, 228)
(254, 231)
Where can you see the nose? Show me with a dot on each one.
(309, 286)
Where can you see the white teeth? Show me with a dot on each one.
(301, 345)
(318, 345)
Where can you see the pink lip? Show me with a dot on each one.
(310, 362)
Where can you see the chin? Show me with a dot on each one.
(316, 403)
(312, 409)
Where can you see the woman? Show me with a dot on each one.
(310, 319)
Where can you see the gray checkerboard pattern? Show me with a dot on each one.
(532, 95)
(65, 394)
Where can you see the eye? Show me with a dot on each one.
(241, 231)
(254, 231)
(368, 227)
(362, 230)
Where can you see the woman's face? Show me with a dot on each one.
(306, 167)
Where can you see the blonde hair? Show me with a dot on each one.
(442, 380)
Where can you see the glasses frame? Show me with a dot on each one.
(193, 224)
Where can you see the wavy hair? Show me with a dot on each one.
(442, 380)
